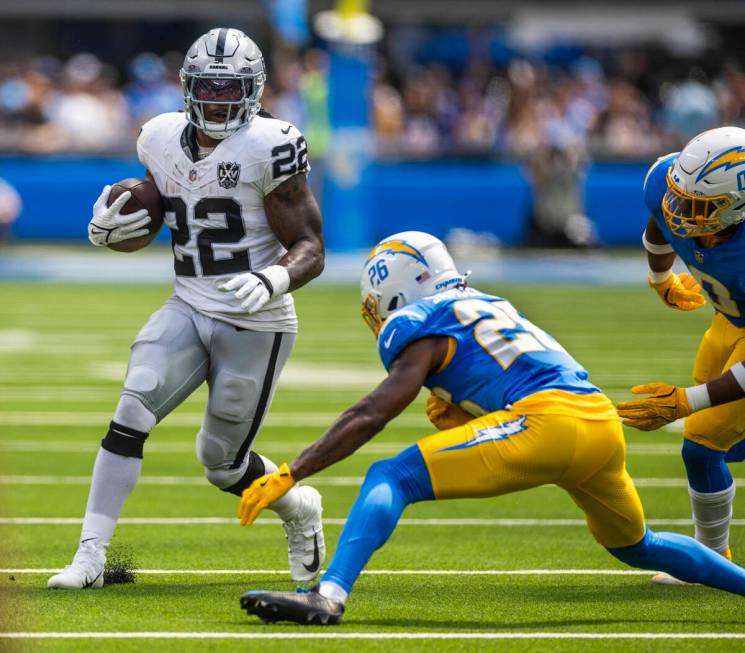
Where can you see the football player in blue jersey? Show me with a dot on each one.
(696, 198)
(515, 411)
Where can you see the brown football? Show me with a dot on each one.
(145, 195)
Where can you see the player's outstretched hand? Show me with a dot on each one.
(666, 404)
(109, 226)
(445, 415)
(680, 291)
(263, 492)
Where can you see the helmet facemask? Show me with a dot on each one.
(690, 216)
(235, 95)
(371, 312)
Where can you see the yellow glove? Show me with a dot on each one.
(680, 291)
(445, 415)
(666, 404)
(264, 491)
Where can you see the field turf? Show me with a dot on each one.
(63, 351)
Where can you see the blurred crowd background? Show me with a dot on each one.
(437, 92)
(502, 121)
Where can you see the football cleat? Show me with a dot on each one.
(306, 608)
(666, 579)
(86, 570)
(306, 548)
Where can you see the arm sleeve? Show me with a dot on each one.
(287, 157)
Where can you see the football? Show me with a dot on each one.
(145, 195)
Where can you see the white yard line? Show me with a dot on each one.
(377, 448)
(265, 446)
(335, 521)
(274, 419)
(335, 481)
(280, 635)
(342, 481)
(377, 572)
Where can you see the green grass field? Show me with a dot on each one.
(63, 351)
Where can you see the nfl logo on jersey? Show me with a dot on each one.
(227, 174)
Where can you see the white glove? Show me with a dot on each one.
(108, 226)
(258, 288)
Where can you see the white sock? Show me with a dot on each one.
(331, 590)
(114, 478)
(712, 513)
(289, 505)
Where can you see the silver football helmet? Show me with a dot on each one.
(223, 79)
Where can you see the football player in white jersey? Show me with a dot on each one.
(245, 230)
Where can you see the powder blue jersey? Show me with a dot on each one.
(496, 356)
(719, 269)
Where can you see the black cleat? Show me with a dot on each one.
(306, 608)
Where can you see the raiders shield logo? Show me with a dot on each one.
(228, 173)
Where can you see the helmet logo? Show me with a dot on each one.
(728, 159)
(399, 247)
(424, 276)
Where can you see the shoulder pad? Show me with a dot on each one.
(156, 132)
(401, 329)
(655, 184)
(265, 134)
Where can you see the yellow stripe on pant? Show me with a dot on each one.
(573, 441)
(720, 427)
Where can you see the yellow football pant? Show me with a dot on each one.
(510, 450)
(720, 427)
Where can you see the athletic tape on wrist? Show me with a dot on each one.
(659, 277)
(276, 278)
(738, 371)
(698, 397)
(265, 281)
(652, 248)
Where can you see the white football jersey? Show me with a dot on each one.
(215, 210)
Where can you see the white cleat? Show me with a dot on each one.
(86, 570)
(306, 549)
(666, 579)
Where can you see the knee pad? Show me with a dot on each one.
(124, 441)
(142, 383)
(407, 472)
(219, 466)
(132, 413)
(211, 451)
(233, 398)
(707, 471)
(237, 480)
